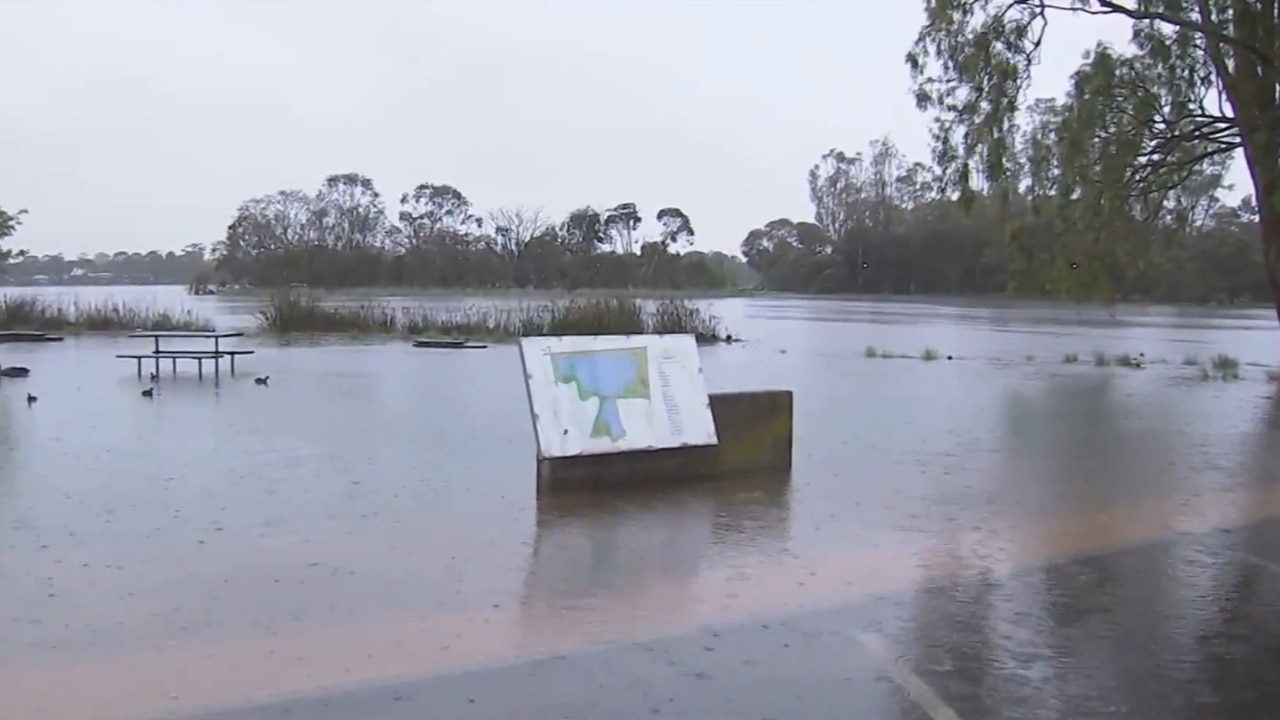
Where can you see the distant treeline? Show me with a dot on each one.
(121, 268)
(879, 226)
(343, 235)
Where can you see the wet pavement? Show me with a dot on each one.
(371, 517)
(1187, 627)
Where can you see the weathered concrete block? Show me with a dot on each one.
(755, 431)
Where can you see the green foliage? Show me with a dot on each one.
(9, 223)
(344, 236)
(1135, 152)
(881, 228)
(295, 312)
(23, 312)
(1225, 367)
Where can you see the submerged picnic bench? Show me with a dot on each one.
(214, 354)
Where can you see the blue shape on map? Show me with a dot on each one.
(607, 375)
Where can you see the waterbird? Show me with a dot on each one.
(149, 392)
(31, 399)
(14, 371)
(262, 380)
(155, 377)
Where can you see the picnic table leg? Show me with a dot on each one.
(217, 368)
(139, 368)
(200, 368)
(174, 369)
(157, 354)
(233, 365)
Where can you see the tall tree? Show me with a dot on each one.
(620, 223)
(431, 208)
(582, 231)
(352, 213)
(677, 228)
(1138, 126)
(9, 222)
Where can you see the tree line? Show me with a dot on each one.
(344, 235)
(1112, 189)
(153, 267)
(881, 226)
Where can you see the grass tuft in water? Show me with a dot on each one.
(1190, 360)
(27, 312)
(929, 354)
(1225, 367)
(295, 312)
(871, 352)
(1100, 359)
(1071, 358)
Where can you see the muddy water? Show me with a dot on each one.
(371, 514)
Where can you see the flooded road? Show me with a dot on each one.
(371, 517)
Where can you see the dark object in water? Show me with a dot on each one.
(27, 336)
(448, 344)
(14, 371)
(264, 380)
(31, 399)
(149, 392)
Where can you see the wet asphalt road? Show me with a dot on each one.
(1184, 628)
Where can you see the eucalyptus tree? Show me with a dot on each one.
(1141, 141)
(9, 222)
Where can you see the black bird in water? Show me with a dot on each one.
(149, 392)
(262, 380)
(31, 399)
(155, 377)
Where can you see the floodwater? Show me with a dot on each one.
(371, 517)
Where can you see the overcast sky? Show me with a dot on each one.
(139, 124)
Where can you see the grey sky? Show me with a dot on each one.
(138, 124)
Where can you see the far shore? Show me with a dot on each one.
(659, 293)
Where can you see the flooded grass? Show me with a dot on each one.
(1125, 360)
(871, 352)
(1071, 358)
(1191, 360)
(25, 312)
(294, 312)
(1224, 367)
(1101, 359)
(929, 354)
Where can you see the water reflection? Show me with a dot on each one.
(8, 473)
(630, 556)
(1088, 441)
(1182, 627)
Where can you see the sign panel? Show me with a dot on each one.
(600, 394)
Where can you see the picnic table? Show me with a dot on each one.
(213, 354)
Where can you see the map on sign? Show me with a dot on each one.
(607, 376)
(609, 394)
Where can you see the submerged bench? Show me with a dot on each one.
(214, 354)
(174, 356)
(179, 354)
